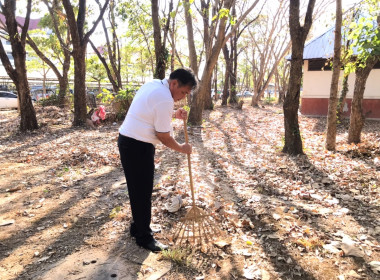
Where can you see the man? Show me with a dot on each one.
(148, 123)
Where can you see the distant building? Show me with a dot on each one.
(33, 24)
(34, 77)
(317, 80)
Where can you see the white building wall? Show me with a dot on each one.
(316, 84)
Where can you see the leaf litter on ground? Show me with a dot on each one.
(284, 217)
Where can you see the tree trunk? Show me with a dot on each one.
(28, 114)
(298, 33)
(226, 87)
(199, 100)
(195, 115)
(342, 98)
(113, 48)
(215, 83)
(190, 40)
(80, 106)
(173, 44)
(65, 48)
(64, 80)
(281, 97)
(197, 105)
(159, 45)
(116, 82)
(293, 141)
(209, 105)
(233, 73)
(277, 86)
(331, 115)
(80, 40)
(283, 83)
(19, 75)
(255, 99)
(44, 83)
(233, 70)
(357, 117)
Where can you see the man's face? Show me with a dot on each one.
(178, 93)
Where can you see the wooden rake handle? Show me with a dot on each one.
(189, 161)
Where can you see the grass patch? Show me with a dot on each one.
(310, 244)
(179, 256)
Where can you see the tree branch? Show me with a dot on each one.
(239, 22)
(33, 45)
(55, 23)
(7, 64)
(104, 62)
(308, 18)
(89, 33)
(71, 20)
(26, 22)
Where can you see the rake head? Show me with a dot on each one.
(195, 227)
(197, 224)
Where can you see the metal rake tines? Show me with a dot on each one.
(195, 226)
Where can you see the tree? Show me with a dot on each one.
(331, 115)
(18, 74)
(38, 65)
(190, 38)
(346, 61)
(199, 99)
(139, 33)
(234, 51)
(227, 80)
(282, 79)
(159, 42)
(208, 14)
(298, 34)
(79, 41)
(54, 49)
(366, 38)
(96, 71)
(112, 58)
(271, 44)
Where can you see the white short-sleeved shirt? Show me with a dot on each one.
(150, 112)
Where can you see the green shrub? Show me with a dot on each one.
(120, 102)
(269, 100)
(53, 100)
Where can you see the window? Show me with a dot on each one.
(319, 65)
(7, 94)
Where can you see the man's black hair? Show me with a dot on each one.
(185, 77)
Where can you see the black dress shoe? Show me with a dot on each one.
(154, 246)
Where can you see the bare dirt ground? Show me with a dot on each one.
(64, 209)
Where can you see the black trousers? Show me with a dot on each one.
(137, 159)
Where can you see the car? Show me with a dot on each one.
(218, 95)
(37, 93)
(245, 94)
(8, 100)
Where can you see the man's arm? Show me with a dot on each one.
(171, 143)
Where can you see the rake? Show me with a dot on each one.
(197, 225)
